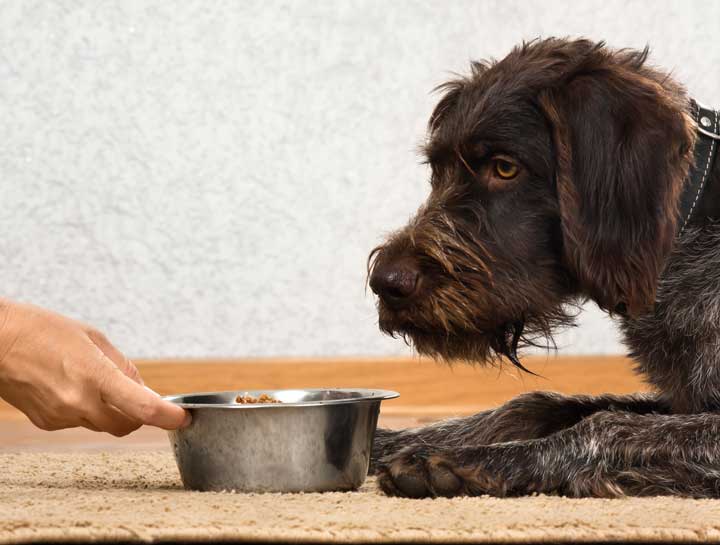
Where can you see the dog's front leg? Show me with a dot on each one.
(528, 416)
(608, 454)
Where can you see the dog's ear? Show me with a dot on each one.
(623, 146)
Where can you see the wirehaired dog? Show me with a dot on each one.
(566, 171)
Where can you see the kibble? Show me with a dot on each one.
(262, 398)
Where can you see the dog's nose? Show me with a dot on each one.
(395, 282)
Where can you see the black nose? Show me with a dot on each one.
(396, 282)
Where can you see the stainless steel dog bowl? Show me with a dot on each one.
(313, 441)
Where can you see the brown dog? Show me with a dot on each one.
(558, 175)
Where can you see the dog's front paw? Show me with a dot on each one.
(385, 444)
(421, 471)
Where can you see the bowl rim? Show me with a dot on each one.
(367, 394)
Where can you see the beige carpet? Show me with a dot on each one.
(138, 497)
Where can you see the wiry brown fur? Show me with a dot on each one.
(458, 267)
(623, 178)
(604, 143)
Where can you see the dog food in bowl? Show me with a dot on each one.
(262, 398)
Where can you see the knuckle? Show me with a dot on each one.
(95, 332)
(132, 371)
(105, 377)
(97, 336)
(149, 412)
(72, 399)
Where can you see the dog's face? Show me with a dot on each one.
(483, 255)
(555, 174)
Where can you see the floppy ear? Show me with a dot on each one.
(623, 146)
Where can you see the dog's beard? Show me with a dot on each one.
(439, 338)
(468, 311)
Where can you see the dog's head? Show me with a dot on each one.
(555, 175)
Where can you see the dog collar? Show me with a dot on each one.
(707, 123)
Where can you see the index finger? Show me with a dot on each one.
(114, 355)
(141, 403)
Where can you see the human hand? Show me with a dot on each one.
(64, 374)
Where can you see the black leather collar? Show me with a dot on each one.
(707, 123)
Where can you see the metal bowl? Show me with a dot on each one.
(313, 441)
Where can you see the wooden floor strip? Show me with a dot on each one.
(429, 391)
(426, 387)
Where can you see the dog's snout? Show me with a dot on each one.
(395, 282)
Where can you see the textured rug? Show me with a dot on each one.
(137, 497)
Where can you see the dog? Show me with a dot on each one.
(565, 172)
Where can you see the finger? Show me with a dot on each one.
(45, 412)
(85, 423)
(141, 404)
(109, 419)
(114, 355)
(133, 372)
(46, 424)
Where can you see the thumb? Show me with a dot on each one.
(141, 404)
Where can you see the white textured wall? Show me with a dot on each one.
(205, 178)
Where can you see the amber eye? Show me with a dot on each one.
(505, 169)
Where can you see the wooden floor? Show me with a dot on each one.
(429, 390)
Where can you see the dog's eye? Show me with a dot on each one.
(505, 169)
